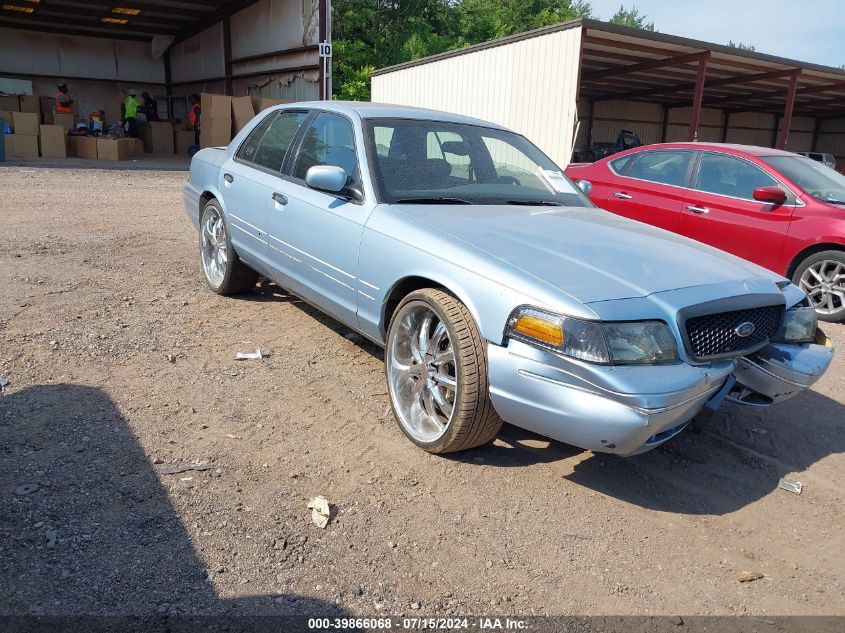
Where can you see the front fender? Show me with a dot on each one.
(394, 249)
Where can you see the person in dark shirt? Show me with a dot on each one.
(150, 107)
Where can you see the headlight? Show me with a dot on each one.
(799, 325)
(623, 343)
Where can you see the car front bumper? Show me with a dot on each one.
(632, 409)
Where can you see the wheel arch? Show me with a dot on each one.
(809, 251)
(408, 284)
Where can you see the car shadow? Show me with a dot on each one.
(734, 460)
(87, 530)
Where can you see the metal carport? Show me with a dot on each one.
(662, 87)
(169, 47)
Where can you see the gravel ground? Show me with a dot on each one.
(121, 365)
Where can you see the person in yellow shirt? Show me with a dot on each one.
(130, 113)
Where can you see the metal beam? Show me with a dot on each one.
(695, 114)
(30, 22)
(715, 83)
(60, 11)
(177, 13)
(648, 65)
(227, 55)
(213, 18)
(786, 121)
(136, 82)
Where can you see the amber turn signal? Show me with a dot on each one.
(536, 327)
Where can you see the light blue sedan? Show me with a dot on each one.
(498, 291)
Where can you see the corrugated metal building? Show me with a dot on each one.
(579, 82)
(170, 48)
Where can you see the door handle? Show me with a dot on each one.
(622, 196)
(228, 177)
(280, 199)
(699, 210)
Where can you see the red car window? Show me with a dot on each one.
(729, 176)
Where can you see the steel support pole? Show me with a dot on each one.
(695, 114)
(786, 121)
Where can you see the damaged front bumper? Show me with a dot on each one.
(632, 409)
(780, 371)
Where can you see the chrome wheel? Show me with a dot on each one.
(213, 246)
(422, 372)
(824, 283)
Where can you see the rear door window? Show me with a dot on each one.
(729, 176)
(667, 167)
(276, 141)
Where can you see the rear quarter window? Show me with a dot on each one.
(619, 165)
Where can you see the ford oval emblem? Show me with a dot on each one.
(745, 329)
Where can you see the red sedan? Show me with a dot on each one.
(774, 208)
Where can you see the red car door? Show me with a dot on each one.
(720, 210)
(650, 187)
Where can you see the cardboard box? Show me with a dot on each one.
(32, 104)
(215, 132)
(53, 141)
(83, 146)
(10, 103)
(7, 118)
(114, 149)
(22, 145)
(242, 112)
(262, 103)
(48, 105)
(215, 106)
(184, 140)
(136, 146)
(161, 137)
(25, 123)
(66, 120)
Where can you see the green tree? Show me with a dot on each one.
(372, 34)
(740, 46)
(631, 17)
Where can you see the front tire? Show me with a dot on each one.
(222, 269)
(436, 366)
(822, 277)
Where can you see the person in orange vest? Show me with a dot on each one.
(64, 102)
(194, 116)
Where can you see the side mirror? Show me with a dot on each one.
(586, 186)
(328, 178)
(773, 195)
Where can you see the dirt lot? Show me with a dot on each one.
(121, 364)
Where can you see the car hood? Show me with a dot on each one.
(588, 253)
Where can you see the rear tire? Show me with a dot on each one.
(222, 269)
(436, 367)
(822, 277)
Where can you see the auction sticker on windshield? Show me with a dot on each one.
(555, 181)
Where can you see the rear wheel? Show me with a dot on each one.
(223, 270)
(436, 366)
(822, 277)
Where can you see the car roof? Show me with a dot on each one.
(751, 150)
(369, 110)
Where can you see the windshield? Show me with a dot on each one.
(817, 179)
(425, 162)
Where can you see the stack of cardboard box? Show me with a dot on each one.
(23, 143)
(54, 143)
(242, 112)
(216, 120)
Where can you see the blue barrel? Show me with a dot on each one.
(2, 140)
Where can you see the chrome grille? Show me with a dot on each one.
(714, 335)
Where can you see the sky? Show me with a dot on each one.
(809, 31)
